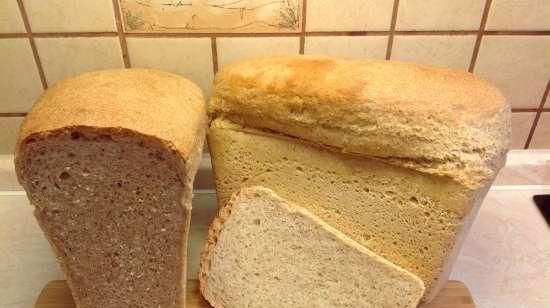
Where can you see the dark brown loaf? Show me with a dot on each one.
(108, 160)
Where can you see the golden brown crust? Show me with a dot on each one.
(439, 121)
(149, 102)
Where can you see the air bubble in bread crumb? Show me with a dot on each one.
(75, 135)
(85, 172)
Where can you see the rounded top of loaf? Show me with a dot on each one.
(152, 103)
(441, 121)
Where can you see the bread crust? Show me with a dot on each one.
(439, 121)
(125, 99)
(211, 239)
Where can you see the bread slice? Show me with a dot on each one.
(108, 160)
(263, 251)
(395, 155)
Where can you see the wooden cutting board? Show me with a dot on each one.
(56, 294)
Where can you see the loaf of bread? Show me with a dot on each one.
(397, 156)
(108, 159)
(264, 252)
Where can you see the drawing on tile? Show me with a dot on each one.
(195, 16)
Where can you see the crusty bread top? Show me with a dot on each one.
(440, 121)
(153, 103)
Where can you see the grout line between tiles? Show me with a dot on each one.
(436, 32)
(303, 30)
(279, 34)
(537, 116)
(347, 33)
(13, 35)
(120, 34)
(12, 114)
(73, 34)
(211, 34)
(34, 50)
(518, 32)
(392, 29)
(480, 33)
(214, 47)
(516, 110)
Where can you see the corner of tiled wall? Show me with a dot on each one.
(505, 41)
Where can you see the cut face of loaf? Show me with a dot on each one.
(112, 186)
(264, 252)
(110, 204)
(414, 220)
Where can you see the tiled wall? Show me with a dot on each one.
(506, 41)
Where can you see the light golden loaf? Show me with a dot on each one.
(108, 159)
(398, 156)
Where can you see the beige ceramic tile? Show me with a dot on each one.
(233, 49)
(26, 260)
(8, 179)
(189, 57)
(347, 46)
(518, 65)
(212, 16)
(10, 17)
(439, 14)
(19, 80)
(541, 137)
(348, 15)
(521, 125)
(9, 127)
(519, 15)
(70, 16)
(64, 57)
(449, 51)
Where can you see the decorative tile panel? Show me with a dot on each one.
(234, 16)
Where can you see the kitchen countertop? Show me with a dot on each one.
(505, 260)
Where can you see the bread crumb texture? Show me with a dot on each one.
(265, 252)
(110, 206)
